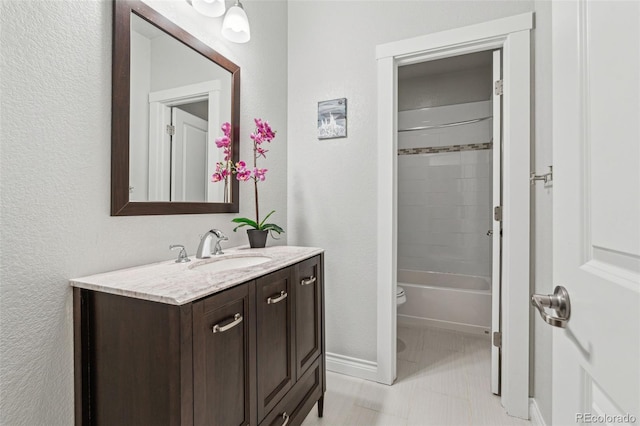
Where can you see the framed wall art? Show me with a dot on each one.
(332, 119)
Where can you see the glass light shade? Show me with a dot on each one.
(211, 8)
(235, 26)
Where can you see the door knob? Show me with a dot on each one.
(558, 301)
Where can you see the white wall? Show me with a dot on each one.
(332, 189)
(55, 179)
(174, 65)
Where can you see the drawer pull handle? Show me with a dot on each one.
(275, 299)
(308, 281)
(237, 319)
(285, 417)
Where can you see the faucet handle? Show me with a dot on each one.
(219, 234)
(182, 256)
(217, 249)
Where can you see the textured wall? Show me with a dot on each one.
(332, 183)
(55, 172)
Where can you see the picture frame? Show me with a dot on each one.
(332, 119)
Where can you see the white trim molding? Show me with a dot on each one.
(512, 35)
(536, 414)
(355, 367)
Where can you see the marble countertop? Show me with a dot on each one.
(181, 283)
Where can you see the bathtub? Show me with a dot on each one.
(452, 301)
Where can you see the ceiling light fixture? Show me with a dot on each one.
(235, 26)
(210, 8)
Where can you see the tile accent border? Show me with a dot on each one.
(449, 148)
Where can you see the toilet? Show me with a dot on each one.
(401, 297)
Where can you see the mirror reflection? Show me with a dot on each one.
(178, 101)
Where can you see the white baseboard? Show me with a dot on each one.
(355, 367)
(535, 414)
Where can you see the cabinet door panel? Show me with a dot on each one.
(296, 405)
(308, 295)
(276, 367)
(223, 358)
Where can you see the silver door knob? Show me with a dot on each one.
(558, 301)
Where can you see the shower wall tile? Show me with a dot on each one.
(445, 211)
(412, 198)
(442, 172)
(474, 170)
(476, 184)
(482, 156)
(442, 159)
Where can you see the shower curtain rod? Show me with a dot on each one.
(439, 126)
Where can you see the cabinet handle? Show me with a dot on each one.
(275, 299)
(308, 281)
(237, 319)
(285, 417)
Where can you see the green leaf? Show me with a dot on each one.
(272, 227)
(239, 226)
(265, 219)
(244, 222)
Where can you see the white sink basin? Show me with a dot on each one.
(225, 264)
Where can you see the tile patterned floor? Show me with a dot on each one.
(443, 379)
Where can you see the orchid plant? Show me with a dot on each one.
(226, 168)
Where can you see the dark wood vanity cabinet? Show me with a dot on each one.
(249, 355)
(223, 358)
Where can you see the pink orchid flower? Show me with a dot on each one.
(259, 174)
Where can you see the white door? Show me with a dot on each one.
(497, 224)
(596, 212)
(189, 172)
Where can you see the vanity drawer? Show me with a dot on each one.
(295, 406)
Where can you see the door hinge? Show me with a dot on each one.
(497, 339)
(497, 213)
(499, 88)
(171, 130)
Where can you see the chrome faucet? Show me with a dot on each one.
(204, 249)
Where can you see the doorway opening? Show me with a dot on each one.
(511, 36)
(448, 182)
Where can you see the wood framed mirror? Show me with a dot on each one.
(170, 95)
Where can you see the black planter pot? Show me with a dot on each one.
(257, 239)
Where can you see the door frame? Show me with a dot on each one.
(512, 35)
(160, 103)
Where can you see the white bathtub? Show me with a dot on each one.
(452, 301)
